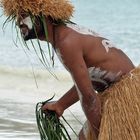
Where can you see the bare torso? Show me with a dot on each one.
(105, 63)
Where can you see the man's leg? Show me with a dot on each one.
(86, 133)
(92, 109)
(81, 135)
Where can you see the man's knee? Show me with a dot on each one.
(87, 133)
(81, 135)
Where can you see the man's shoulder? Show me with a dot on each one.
(68, 48)
(82, 30)
(70, 42)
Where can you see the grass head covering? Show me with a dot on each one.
(57, 9)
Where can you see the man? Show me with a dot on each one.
(94, 64)
(92, 60)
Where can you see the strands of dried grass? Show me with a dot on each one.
(121, 109)
(57, 9)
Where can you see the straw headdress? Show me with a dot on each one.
(57, 9)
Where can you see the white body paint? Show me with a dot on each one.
(107, 44)
(60, 57)
(102, 77)
(86, 130)
(28, 22)
(80, 29)
(97, 76)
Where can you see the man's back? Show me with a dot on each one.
(97, 51)
(105, 63)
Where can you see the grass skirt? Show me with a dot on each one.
(121, 109)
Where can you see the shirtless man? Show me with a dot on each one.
(92, 60)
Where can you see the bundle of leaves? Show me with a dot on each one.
(49, 125)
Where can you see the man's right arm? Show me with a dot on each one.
(69, 98)
(63, 103)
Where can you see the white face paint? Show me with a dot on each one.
(28, 22)
(107, 44)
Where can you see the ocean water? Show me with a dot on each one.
(18, 98)
(118, 21)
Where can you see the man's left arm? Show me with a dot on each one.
(74, 61)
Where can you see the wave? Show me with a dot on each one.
(31, 72)
(25, 85)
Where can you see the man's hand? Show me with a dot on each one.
(53, 106)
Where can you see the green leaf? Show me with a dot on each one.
(49, 125)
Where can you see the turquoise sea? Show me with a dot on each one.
(117, 20)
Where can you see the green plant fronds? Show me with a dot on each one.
(46, 31)
(43, 56)
(49, 125)
(40, 59)
(10, 18)
(47, 59)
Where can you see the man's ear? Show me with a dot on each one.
(50, 19)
